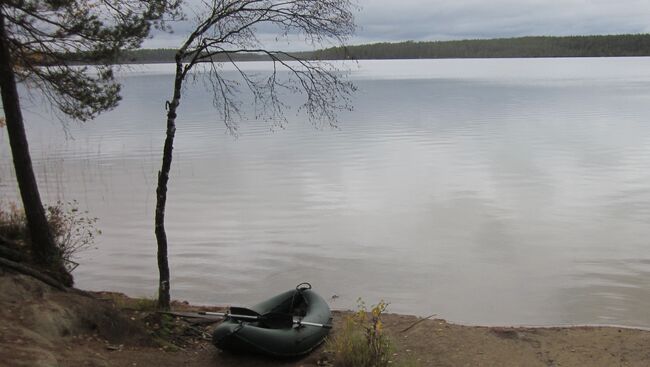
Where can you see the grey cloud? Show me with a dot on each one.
(390, 20)
(432, 20)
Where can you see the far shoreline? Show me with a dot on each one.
(613, 45)
(413, 59)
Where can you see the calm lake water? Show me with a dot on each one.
(487, 191)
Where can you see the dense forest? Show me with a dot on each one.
(160, 55)
(570, 46)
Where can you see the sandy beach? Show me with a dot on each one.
(42, 326)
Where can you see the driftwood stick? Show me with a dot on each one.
(417, 322)
(28, 270)
(191, 315)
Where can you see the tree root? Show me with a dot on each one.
(9, 250)
(28, 270)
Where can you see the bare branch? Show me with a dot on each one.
(230, 27)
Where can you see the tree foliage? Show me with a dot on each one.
(43, 33)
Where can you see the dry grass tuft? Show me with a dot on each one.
(73, 230)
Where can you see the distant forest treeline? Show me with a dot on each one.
(570, 46)
(160, 55)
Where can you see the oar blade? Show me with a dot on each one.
(243, 311)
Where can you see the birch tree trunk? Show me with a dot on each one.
(228, 28)
(161, 191)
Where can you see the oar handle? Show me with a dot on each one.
(324, 326)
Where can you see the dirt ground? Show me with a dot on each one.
(40, 326)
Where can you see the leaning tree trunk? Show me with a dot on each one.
(161, 191)
(44, 250)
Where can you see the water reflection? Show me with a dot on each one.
(609, 292)
(487, 191)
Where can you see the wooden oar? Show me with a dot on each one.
(288, 320)
(231, 315)
(273, 319)
(234, 312)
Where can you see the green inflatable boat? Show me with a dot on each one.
(290, 324)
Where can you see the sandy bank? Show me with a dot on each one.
(40, 326)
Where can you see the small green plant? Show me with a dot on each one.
(123, 302)
(146, 304)
(362, 342)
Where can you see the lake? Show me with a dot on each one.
(494, 192)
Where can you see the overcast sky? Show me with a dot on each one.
(425, 20)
